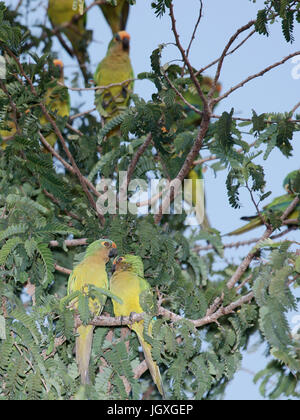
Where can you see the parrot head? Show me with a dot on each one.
(102, 248)
(289, 180)
(121, 39)
(60, 65)
(128, 262)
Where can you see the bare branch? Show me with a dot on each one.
(69, 242)
(62, 269)
(187, 62)
(223, 55)
(254, 76)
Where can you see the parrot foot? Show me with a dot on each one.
(131, 317)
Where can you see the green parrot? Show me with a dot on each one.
(57, 100)
(116, 16)
(128, 283)
(290, 182)
(61, 13)
(114, 68)
(92, 271)
(278, 204)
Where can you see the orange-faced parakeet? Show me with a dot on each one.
(61, 15)
(116, 16)
(128, 283)
(91, 271)
(278, 204)
(57, 100)
(114, 68)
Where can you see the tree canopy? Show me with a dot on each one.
(204, 309)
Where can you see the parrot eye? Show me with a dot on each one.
(106, 244)
(121, 259)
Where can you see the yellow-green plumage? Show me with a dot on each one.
(61, 13)
(91, 271)
(128, 283)
(116, 16)
(291, 182)
(4, 134)
(57, 100)
(114, 68)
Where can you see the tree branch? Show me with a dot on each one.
(254, 76)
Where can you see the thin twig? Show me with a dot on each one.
(254, 76)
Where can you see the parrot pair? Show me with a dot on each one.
(278, 204)
(62, 15)
(127, 283)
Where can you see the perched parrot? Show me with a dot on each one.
(61, 13)
(278, 204)
(116, 16)
(128, 283)
(114, 68)
(57, 100)
(194, 196)
(90, 271)
(290, 180)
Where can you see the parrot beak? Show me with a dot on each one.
(125, 43)
(112, 253)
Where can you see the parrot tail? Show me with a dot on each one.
(153, 368)
(82, 60)
(83, 351)
(249, 226)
